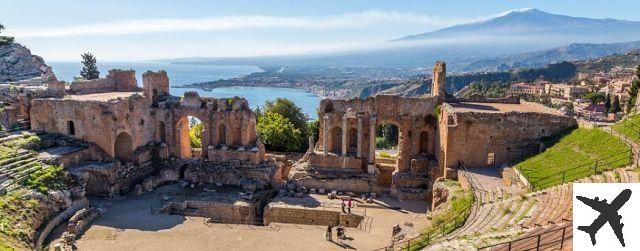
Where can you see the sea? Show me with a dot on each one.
(181, 74)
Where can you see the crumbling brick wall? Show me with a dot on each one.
(116, 81)
(481, 139)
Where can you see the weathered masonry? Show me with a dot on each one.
(435, 135)
(122, 123)
(138, 127)
(141, 127)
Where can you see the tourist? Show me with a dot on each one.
(349, 206)
(340, 231)
(343, 205)
(328, 234)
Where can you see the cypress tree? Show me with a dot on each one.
(607, 104)
(89, 68)
(616, 104)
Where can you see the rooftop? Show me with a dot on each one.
(501, 107)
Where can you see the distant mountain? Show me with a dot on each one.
(515, 32)
(536, 23)
(541, 58)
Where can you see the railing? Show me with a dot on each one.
(593, 167)
(430, 237)
(555, 239)
(473, 182)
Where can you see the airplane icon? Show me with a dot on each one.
(608, 213)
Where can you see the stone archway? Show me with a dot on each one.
(352, 145)
(336, 140)
(222, 134)
(424, 143)
(98, 184)
(71, 128)
(184, 143)
(162, 132)
(123, 147)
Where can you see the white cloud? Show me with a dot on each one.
(141, 26)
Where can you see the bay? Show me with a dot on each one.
(181, 74)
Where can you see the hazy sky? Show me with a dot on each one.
(144, 29)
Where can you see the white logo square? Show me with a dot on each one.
(602, 209)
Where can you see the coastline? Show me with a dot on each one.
(315, 92)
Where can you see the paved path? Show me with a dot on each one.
(129, 225)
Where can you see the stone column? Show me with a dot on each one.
(372, 144)
(311, 144)
(344, 136)
(325, 135)
(359, 141)
(404, 146)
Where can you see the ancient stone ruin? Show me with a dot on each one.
(436, 135)
(116, 138)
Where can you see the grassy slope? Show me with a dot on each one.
(629, 127)
(19, 214)
(457, 208)
(575, 151)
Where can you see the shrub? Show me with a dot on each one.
(384, 154)
(22, 142)
(277, 133)
(195, 135)
(293, 113)
(4, 40)
(17, 215)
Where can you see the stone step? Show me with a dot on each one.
(519, 206)
(14, 158)
(14, 165)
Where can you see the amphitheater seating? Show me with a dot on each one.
(15, 165)
(551, 238)
(499, 215)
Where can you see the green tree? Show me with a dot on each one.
(5, 39)
(278, 133)
(195, 135)
(569, 108)
(607, 104)
(616, 105)
(89, 68)
(289, 110)
(387, 136)
(633, 91)
(595, 98)
(313, 128)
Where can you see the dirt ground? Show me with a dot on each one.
(128, 224)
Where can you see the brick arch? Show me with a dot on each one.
(123, 147)
(424, 142)
(221, 134)
(162, 132)
(182, 147)
(335, 140)
(352, 140)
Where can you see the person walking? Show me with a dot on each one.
(340, 231)
(328, 234)
(343, 205)
(349, 206)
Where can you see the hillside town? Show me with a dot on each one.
(596, 96)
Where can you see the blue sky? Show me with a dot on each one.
(144, 29)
